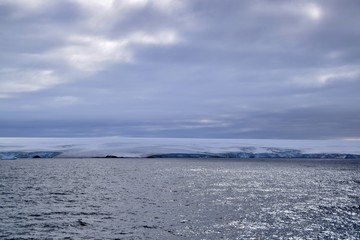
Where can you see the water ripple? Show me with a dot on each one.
(179, 199)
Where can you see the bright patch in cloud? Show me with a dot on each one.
(324, 77)
(66, 100)
(103, 14)
(158, 38)
(89, 53)
(93, 53)
(87, 48)
(313, 11)
(351, 139)
(205, 122)
(31, 5)
(337, 76)
(17, 80)
(165, 5)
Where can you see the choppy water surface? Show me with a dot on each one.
(179, 199)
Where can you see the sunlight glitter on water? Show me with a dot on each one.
(179, 199)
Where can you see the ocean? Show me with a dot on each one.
(139, 198)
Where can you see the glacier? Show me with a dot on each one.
(16, 155)
(14, 148)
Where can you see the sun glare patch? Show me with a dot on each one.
(313, 11)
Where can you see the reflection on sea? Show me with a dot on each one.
(179, 199)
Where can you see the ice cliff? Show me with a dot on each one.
(13, 148)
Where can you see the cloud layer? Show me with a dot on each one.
(168, 68)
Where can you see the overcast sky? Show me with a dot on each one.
(190, 68)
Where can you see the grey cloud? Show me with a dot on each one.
(240, 69)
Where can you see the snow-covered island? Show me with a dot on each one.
(13, 148)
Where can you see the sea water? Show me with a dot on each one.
(179, 199)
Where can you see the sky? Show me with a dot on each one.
(191, 68)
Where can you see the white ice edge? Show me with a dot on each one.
(141, 147)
